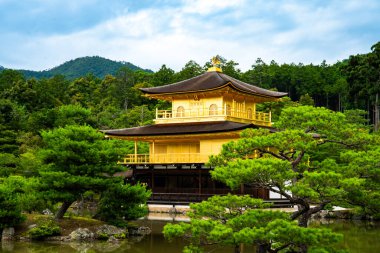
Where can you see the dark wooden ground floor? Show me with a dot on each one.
(176, 186)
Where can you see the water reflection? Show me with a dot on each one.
(359, 236)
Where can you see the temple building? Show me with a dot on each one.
(207, 111)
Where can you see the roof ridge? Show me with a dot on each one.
(210, 81)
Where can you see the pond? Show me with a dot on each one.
(359, 236)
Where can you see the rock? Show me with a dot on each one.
(111, 246)
(82, 234)
(8, 234)
(82, 246)
(58, 238)
(105, 232)
(32, 226)
(25, 239)
(112, 239)
(140, 231)
(47, 212)
(7, 246)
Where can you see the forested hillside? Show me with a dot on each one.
(115, 101)
(29, 105)
(98, 66)
(51, 124)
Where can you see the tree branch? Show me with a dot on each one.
(280, 248)
(318, 208)
(339, 142)
(298, 159)
(279, 190)
(282, 157)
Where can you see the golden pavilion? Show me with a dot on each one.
(207, 111)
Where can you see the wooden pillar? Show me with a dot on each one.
(153, 159)
(135, 151)
(152, 178)
(199, 181)
(245, 115)
(270, 116)
(233, 108)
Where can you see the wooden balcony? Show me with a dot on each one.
(219, 114)
(173, 158)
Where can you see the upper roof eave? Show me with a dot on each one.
(210, 81)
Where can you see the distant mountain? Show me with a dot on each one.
(95, 65)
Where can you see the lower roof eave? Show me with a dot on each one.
(181, 130)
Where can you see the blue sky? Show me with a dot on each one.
(41, 34)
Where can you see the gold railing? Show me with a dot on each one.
(165, 158)
(132, 158)
(204, 113)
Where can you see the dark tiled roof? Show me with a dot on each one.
(180, 128)
(211, 80)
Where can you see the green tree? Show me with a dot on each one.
(11, 125)
(77, 159)
(48, 118)
(123, 202)
(190, 70)
(234, 220)
(52, 92)
(137, 116)
(364, 164)
(10, 206)
(306, 100)
(363, 80)
(24, 193)
(163, 76)
(9, 78)
(126, 79)
(81, 90)
(290, 159)
(72, 115)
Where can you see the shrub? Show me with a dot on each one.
(10, 209)
(44, 228)
(103, 236)
(121, 203)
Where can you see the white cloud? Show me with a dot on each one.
(205, 7)
(238, 30)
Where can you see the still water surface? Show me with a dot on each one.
(363, 237)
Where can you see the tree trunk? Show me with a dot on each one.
(262, 248)
(339, 104)
(376, 112)
(237, 249)
(303, 248)
(302, 222)
(126, 105)
(303, 219)
(62, 210)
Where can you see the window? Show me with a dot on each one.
(196, 108)
(196, 104)
(249, 113)
(180, 111)
(213, 110)
(228, 110)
